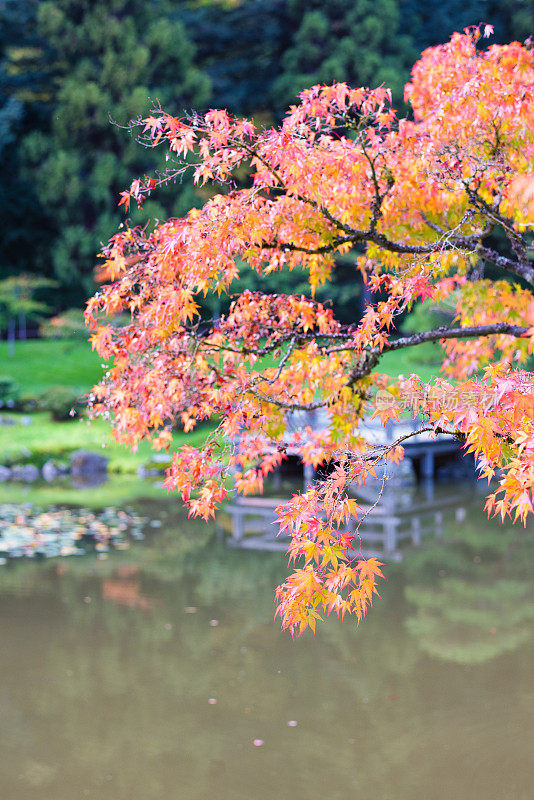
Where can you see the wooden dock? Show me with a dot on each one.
(422, 448)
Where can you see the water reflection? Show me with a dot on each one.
(406, 516)
(108, 667)
(472, 594)
(470, 624)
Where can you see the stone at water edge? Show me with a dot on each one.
(25, 472)
(5, 473)
(83, 462)
(51, 470)
(146, 472)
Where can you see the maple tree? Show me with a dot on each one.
(426, 205)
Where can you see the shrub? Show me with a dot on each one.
(38, 457)
(27, 403)
(430, 315)
(9, 392)
(69, 325)
(61, 401)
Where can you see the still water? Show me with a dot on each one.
(158, 673)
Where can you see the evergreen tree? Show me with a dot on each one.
(355, 41)
(240, 46)
(24, 229)
(110, 59)
(518, 20)
(430, 22)
(69, 66)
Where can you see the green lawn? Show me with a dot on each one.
(39, 364)
(117, 491)
(55, 439)
(425, 360)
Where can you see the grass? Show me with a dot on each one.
(425, 360)
(55, 439)
(39, 364)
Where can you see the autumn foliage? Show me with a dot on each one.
(439, 205)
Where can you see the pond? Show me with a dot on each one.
(158, 672)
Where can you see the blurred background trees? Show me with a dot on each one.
(104, 62)
(71, 68)
(359, 42)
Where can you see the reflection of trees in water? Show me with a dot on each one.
(472, 597)
(127, 702)
(228, 574)
(471, 623)
(136, 679)
(24, 577)
(127, 695)
(124, 689)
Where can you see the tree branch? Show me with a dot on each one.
(456, 333)
(361, 237)
(520, 268)
(283, 404)
(372, 356)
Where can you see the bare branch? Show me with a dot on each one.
(520, 268)
(288, 405)
(456, 333)
(372, 356)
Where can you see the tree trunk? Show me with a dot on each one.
(11, 337)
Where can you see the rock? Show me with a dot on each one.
(84, 463)
(51, 470)
(25, 472)
(31, 473)
(5, 473)
(26, 420)
(147, 472)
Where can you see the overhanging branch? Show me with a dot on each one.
(456, 333)
(371, 357)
